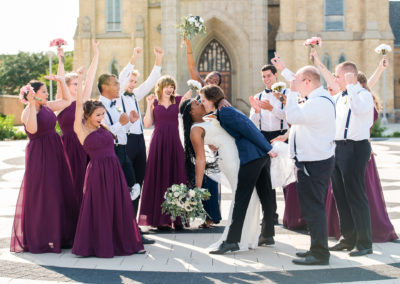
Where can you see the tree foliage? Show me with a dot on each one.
(17, 70)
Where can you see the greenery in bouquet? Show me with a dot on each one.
(192, 26)
(180, 201)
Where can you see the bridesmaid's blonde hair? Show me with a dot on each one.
(362, 79)
(163, 82)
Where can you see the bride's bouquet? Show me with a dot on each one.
(194, 85)
(192, 26)
(180, 201)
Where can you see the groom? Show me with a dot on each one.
(254, 171)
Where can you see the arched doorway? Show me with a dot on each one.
(215, 58)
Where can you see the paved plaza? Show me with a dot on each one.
(182, 257)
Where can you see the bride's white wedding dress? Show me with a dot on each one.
(229, 164)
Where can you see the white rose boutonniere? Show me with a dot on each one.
(119, 109)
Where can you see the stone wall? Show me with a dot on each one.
(11, 105)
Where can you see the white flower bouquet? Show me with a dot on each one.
(194, 85)
(278, 87)
(383, 49)
(185, 203)
(192, 26)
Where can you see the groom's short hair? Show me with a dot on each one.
(269, 67)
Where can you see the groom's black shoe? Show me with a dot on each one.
(310, 260)
(341, 246)
(225, 247)
(265, 241)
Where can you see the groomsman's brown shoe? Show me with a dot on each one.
(341, 246)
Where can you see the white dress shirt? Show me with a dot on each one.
(270, 120)
(361, 104)
(138, 94)
(313, 126)
(115, 126)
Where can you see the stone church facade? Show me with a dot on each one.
(241, 37)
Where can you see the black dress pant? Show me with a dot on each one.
(312, 184)
(136, 150)
(348, 182)
(253, 174)
(120, 151)
(269, 135)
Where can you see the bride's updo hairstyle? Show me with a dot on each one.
(213, 93)
(90, 106)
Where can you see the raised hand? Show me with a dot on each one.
(150, 99)
(314, 56)
(133, 116)
(123, 119)
(137, 51)
(60, 52)
(350, 78)
(384, 62)
(278, 62)
(95, 46)
(266, 105)
(158, 51)
(280, 97)
(81, 70)
(294, 84)
(255, 104)
(53, 77)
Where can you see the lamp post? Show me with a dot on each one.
(50, 54)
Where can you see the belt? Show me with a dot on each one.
(348, 141)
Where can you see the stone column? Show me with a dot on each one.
(169, 35)
(258, 45)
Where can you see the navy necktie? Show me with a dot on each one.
(112, 103)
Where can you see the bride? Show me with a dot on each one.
(200, 130)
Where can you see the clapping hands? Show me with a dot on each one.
(150, 99)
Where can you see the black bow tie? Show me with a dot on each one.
(268, 91)
(128, 94)
(112, 103)
(344, 93)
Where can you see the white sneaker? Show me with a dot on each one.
(135, 191)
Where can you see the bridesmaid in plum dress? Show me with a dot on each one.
(46, 210)
(166, 158)
(77, 156)
(107, 226)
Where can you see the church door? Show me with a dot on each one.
(215, 58)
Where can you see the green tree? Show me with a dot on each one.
(17, 70)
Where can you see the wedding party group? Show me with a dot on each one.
(92, 187)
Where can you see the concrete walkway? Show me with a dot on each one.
(183, 256)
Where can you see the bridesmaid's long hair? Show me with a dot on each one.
(190, 155)
(88, 109)
(163, 82)
(362, 79)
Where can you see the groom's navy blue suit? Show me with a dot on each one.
(254, 171)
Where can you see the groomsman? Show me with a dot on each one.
(268, 113)
(311, 144)
(354, 118)
(130, 96)
(118, 123)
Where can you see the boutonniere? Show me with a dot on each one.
(119, 109)
(345, 100)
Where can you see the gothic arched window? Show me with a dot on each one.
(114, 67)
(215, 58)
(334, 15)
(113, 15)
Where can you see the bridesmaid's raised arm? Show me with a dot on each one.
(378, 72)
(91, 73)
(60, 71)
(65, 101)
(148, 118)
(78, 125)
